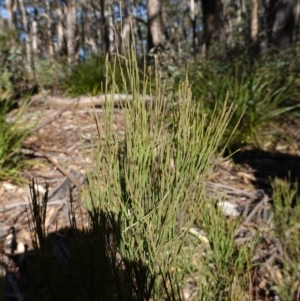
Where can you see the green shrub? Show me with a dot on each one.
(259, 87)
(49, 73)
(91, 77)
(12, 66)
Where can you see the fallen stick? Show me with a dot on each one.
(69, 175)
(95, 101)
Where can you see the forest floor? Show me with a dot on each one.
(61, 144)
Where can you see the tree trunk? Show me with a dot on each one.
(107, 26)
(156, 24)
(254, 26)
(59, 27)
(297, 22)
(193, 23)
(213, 22)
(71, 26)
(89, 38)
(125, 24)
(49, 34)
(281, 23)
(10, 13)
(98, 27)
(34, 30)
(27, 38)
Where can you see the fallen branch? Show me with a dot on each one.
(65, 172)
(95, 101)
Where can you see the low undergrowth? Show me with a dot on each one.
(261, 88)
(11, 136)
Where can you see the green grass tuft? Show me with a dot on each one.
(11, 136)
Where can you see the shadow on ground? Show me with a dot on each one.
(270, 165)
(73, 264)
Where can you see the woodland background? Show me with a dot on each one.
(241, 57)
(34, 34)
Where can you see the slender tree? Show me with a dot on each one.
(59, 12)
(107, 26)
(254, 25)
(297, 22)
(71, 27)
(193, 22)
(213, 22)
(27, 35)
(156, 24)
(125, 23)
(34, 31)
(48, 28)
(10, 10)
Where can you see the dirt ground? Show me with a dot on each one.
(60, 147)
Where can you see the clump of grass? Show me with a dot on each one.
(286, 221)
(91, 76)
(260, 88)
(11, 136)
(150, 178)
(225, 266)
(153, 193)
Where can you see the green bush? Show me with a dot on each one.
(261, 89)
(49, 73)
(91, 77)
(12, 65)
